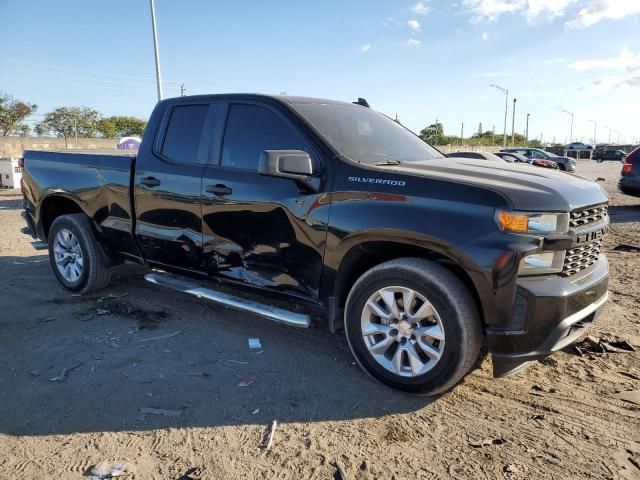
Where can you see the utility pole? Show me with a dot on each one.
(506, 107)
(182, 90)
(493, 134)
(155, 48)
(609, 134)
(75, 127)
(513, 123)
(571, 130)
(595, 130)
(462, 134)
(526, 135)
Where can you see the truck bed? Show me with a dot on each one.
(98, 182)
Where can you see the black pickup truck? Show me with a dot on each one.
(303, 208)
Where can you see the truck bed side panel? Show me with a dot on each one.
(98, 184)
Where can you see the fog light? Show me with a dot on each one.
(543, 262)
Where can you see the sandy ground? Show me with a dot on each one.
(561, 418)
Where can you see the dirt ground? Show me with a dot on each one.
(77, 373)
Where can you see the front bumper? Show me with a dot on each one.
(555, 311)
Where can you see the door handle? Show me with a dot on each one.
(219, 190)
(149, 181)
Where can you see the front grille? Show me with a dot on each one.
(587, 216)
(580, 257)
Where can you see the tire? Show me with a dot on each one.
(456, 315)
(80, 264)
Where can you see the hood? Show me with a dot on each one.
(525, 186)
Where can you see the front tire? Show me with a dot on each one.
(413, 325)
(77, 258)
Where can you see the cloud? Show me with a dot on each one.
(598, 10)
(502, 73)
(413, 42)
(365, 48)
(578, 13)
(485, 36)
(414, 25)
(555, 61)
(626, 60)
(420, 8)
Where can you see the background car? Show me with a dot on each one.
(517, 157)
(629, 182)
(609, 154)
(578, 146)
(476, 155)
(564, 163)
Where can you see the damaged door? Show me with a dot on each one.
(264, 231)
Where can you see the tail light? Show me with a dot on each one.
(626, 167)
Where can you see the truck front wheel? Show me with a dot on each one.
(77, 259)
(413, 325)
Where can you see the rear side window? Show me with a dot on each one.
(183, 141)
(250, 130)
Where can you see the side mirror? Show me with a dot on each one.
(294, 164)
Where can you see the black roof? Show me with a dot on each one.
(254, 96)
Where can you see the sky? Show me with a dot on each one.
(419, 60)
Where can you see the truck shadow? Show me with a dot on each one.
(138, 357)
(624, 213)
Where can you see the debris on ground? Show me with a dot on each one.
(103, 311)
(601, 179)
(255, 344)
(237, 362)
(487, 442)
(540, 388)
(272, 432)
(62, 376)
(256, 411)
(111, 296)
(342, 475)
(631, 396)
(515, 468)
(46, 320)
(161, 337)
(245, 383)
(193, 473)
(605, 344)
(625, 247)
(161, 411)
(108, 469)
(630, 375)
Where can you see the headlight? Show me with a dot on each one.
(532, 223)
(540, 263)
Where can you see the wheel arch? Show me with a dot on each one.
(54, 206)
(364, 255)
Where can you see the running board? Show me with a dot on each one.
(269, 312)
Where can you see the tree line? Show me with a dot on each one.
(65, 122)
(434, 134)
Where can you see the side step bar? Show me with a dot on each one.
(271, 313)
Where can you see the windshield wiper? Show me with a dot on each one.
(387, 162)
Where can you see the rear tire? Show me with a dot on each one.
(76, 257)
(413, 325)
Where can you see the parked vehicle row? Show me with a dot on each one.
(566, 164)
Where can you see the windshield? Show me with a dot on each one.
(364, 135)
(549, 154)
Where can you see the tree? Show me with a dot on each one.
(12, 113)
(433, 134)
(121, 126)
(69, 121)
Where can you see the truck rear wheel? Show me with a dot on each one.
(413, 325)
(77, 259)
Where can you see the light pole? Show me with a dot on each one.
(571, 130)
(595, 131)
(513, 122)
(609, 133)
(155, 48)
(526, 135)
(506, 107)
